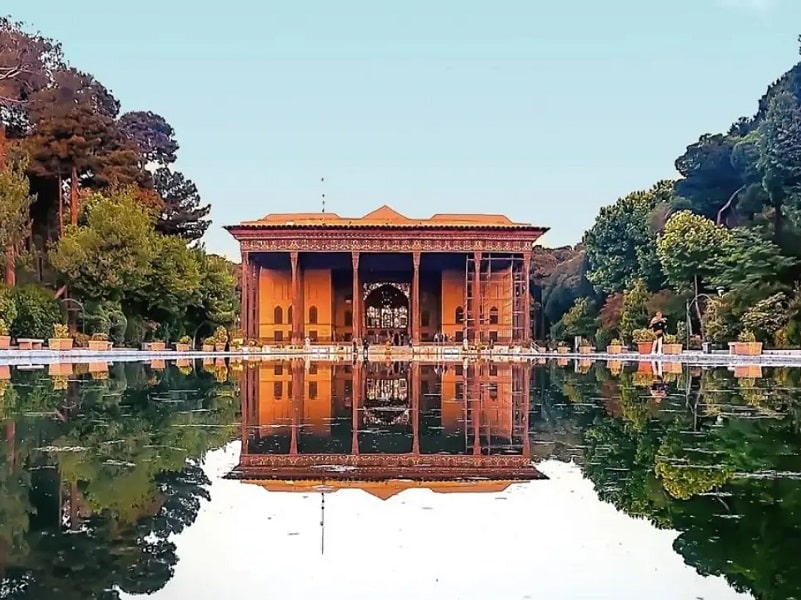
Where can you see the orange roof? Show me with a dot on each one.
(385, 217)
(384, 489)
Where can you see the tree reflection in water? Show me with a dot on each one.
(95, 517)
(717, 459)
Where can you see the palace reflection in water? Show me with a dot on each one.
(385, 427)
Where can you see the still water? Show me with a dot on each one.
(396, 480)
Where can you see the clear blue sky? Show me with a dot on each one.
(544, 111)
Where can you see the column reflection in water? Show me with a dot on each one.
(350, 423)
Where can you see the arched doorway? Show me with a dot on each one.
(386, 309)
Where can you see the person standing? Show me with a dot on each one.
(658, 325)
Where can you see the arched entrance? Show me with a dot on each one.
(386, 308)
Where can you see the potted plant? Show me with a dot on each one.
(584, 346)
(562, 348)
(671, 344)
(208, 344)
(183, 344)
(236, 344)
(99, 342)
(157, 346)
(220, 339)
(746, 344)
(615, 346)
(5, 339)
(61, 339)
(644, 338)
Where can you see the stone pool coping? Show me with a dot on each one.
(442, 354)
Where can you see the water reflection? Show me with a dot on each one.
(104, 489)
(386, 427)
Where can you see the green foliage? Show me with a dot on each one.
(635, 312)
(37, 312)
(747, 262)
(109, 256)
(580, 320)
(688, 249)
(8, 307)
(746, 335)
(621, 245)
(217, 303)
(61, 331)
(721, 320)
(3, 328)
(643, 335)
(603, 337)
(15, 201)
(767, 316)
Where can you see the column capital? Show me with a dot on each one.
(416, 259)
(354, 259)
(293, 256)
(477, 255)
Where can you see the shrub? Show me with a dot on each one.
(61, 331)
(220, 335)
(603, 337)
(3, 328)
(643, 335)
(37, 312)
(747, 336)
(99, 337)
(765, 317)
(81, 340)
(781, 339)
(670, 339)
(185, 339)
(616, 342)
(209, 341)
(584, 342)
(8, 306)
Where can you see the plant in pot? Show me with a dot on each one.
(183, 344)
(615, 346)
(99, 342)
(236, 344)
(220, 339)
(746, 344)
(208, 344)
(644, 339)
(5, 339)
(61, 340)
(562, 348)
(671, 344)
(584, 346)
(157, 346)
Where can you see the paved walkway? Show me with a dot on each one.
(377, 353)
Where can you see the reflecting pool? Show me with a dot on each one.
(462, 480)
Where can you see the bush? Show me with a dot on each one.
(37, 312)
(747, 336)
(99, 337)
(3, 327)
(603, 337)
(8, 306)
(61, 331)
(643, 335)
(185, 339)
(81, 340)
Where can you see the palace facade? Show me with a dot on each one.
(386, 427)
(386, 277)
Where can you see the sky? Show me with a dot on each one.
(543, 111)
(422, 544)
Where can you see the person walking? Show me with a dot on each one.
(658, 325)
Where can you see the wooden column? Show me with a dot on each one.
(356, 302)
(356, 388)
(297, 314)
(416, 388)
(526, 369)
(244, 310)
(475, 392)
(416, 298)
(478, 301)
(527, 297)
(298, 391)
(255, 328)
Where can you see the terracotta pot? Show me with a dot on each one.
(562, 362)
(5, 342)
(748, 371)
(672, 349)
(219, 347)
(98, 367)
(181, 347)
(585, 349)
(99, 346)
(644, 347)
(208, 348)
(616, 349)
(5, 372)
(157, 346)
(745, 348)
(158, 365)
(562, 349)
(60, 343)
(60, 369)
(673, 368)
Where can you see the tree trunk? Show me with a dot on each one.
(74, 197)
(11, 273)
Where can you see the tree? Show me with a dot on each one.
(748, 262)
(218, 302)
(153, 136)
(688, 249)
(15, 203)
(108, 256)
(621, 245)
(780, 155)
(182, 212)
(635, 312)
(581, 320)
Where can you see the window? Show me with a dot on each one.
(313, 335)
(493, 335)
(459, 390)
(460, 336)
(278, 390)
(278, 315)
(289, 388)
(494, 315)
(279, 336)
(493, 370)
(313, 315)
(425, 318)
(348, 318)
(459, 370)
(312, 369)
(278, 369)
(459, 314)
(289, 316)
(312, 390)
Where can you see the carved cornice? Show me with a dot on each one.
(326, 242)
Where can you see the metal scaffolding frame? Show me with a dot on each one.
(509, 269)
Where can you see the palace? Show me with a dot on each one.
(386, 427)
(386, 277)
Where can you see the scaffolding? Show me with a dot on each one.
(502, 286)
